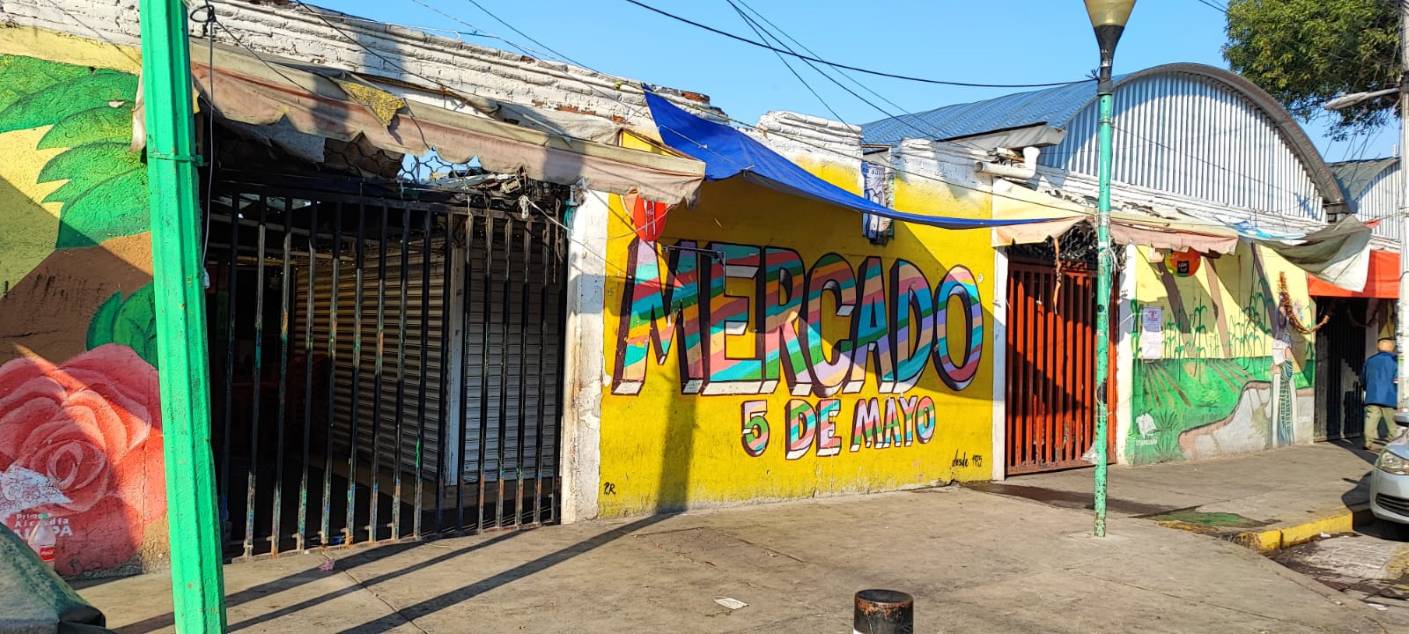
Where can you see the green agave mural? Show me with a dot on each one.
(130, 322)
(90, 110)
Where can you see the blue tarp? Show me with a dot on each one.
(728, 153)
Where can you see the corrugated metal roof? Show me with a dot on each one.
(1053, 106)
(1191, 117)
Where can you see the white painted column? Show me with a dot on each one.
(999, 456)
(1125, 353)
(583, 371)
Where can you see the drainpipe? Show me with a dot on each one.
(1024, 171)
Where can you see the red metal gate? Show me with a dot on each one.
(1050, 368)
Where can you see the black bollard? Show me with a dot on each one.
(883, 612)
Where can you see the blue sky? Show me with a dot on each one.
(998, 41)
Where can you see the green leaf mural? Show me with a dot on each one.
(100, 328)
(131, 322)
(104, 190)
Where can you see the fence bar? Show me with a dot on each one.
(377, 365)
(285, 288)
(523, 375)
(542, 380)
(400, 372)
(503, 373)
(464, 378)
(425, 364)
(325, 536)
(253, 468)
(355, 405)
(484, 368)
(443, 406)
(300, 540)
(559, 316)
(230, 325)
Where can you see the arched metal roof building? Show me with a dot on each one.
(1188, 129)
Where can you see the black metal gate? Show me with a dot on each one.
(382, 368)
(1340, 352)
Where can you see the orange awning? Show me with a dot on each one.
(1381, 283)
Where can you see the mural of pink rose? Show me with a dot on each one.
(90, 427)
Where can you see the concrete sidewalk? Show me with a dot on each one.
(975, 562)
(1267, 500)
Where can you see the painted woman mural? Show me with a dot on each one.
(80, 423)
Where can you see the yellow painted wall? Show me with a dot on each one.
(663, 447)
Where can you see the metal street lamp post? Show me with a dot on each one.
(1108, 18)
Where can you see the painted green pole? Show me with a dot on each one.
(1108, 18)
(1104, 273)
(197, 585)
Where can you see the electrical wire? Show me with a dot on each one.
(810, 144)
(525, 35)
(819, 71)
(207, 19)
(636, 111)
(1213, 6)
(937, 133)
(786, 64)
(1086, 209)
(477, 31)
(840, 65)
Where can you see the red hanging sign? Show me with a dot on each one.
(647, 216)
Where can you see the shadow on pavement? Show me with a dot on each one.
(1353, 446)
(447, 599)
(307, 576)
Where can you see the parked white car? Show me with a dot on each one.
(1389, 481)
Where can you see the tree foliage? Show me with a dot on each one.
(1307, 52)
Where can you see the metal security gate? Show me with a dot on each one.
(382, 368)
(1050, 367)
(1340, 353)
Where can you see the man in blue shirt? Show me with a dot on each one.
(1381, 393)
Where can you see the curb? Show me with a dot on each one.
(1274, 538)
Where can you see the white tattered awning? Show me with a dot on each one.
(1338, 254)
(344, 107)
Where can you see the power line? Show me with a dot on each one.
(784, 60)
(932, 133)
(637, 112)
(525, 35)
(937, 132)
(805, 142)
(477, 32)
(1213, 6)
(868, 71)
(743, 124)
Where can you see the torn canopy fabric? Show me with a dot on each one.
(729, 153)
(262, 93)
(1338, 254)
(1013, 201)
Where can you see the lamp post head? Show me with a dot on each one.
(1108, 18)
